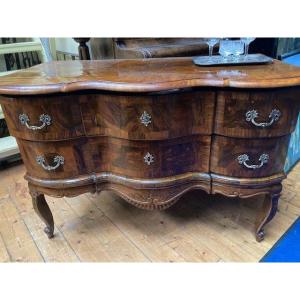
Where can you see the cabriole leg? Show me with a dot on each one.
(267, 213)
(42, 209)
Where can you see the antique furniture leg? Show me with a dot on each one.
(267, 213)
(42, 209)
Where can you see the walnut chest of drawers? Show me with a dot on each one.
(151, 130)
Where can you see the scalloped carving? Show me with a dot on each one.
(144, 198)
(143, 193)
(154, 199)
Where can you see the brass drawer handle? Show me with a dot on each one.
(242, 159)
(274, 116)
(148, 159)
(58, 160)
(145, 118)
(44, 119)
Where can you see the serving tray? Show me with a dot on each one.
(217, 60)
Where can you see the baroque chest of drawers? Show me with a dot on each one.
(151, 130)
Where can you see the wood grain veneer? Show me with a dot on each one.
(172, 115)
(65, 112)
(153, 130)
(119, 156)
(233, 105)
(225, 153)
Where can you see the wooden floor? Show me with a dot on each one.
(104, 228)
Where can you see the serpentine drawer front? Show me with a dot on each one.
(151, 117)
(136, 159)
(246, 158)
(38, 118)
(257, 113)
(151, 130)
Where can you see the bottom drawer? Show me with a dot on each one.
(238, 157)
(137, 159)
(52, 160)
(148, 159)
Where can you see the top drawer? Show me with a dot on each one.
(148, 117)
(263, 113)
(47, 117)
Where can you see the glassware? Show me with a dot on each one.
(231, 49)
(211, 42)
(238, 49)
(247, 42)
(225, 50)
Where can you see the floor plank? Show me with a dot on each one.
(86, 246)
(136, 227)
(116, 245)
(193, 211)
(4, 255)
(16, 236)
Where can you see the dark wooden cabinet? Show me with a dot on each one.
(151, 130)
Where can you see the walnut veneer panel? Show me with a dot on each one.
(233, 106)
(170, 157)
(165, 116)
(119, 156)
(64, 111)
(73, 166)
(226, 151)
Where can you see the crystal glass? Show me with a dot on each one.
(231, 49)
(247, 42)
(225, 49)
(211, 42)
(238, 49)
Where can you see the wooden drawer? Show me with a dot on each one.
(39, 118)
(248, 158)
(148, 117)
(64, 158)
(136, 159)
(140, 159)
(263, 113)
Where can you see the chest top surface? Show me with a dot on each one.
(143, 75)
